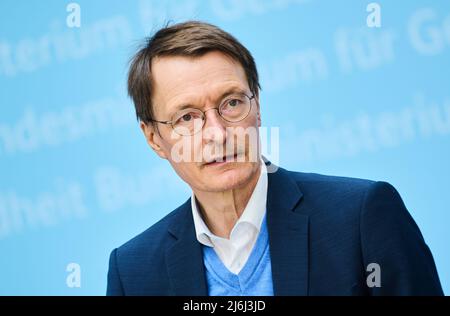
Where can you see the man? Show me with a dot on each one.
(247, 230)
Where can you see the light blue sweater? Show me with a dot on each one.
(255, 278)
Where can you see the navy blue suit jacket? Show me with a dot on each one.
(324, 231)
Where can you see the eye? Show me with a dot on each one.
(234, 102)
(186, 117)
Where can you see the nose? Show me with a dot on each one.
(214, 128)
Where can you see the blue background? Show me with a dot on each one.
(78, 179)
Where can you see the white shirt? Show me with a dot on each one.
(235, 251)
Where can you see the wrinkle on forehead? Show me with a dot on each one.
(197, 80)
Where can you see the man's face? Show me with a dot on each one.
(200, 82)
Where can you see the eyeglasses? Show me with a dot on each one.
(234, 108)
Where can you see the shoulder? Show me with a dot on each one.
(153, 238)
(139, 265)
(341, 197)
(316, 184)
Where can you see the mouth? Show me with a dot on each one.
(223, 160)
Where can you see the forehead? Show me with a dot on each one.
(179, 80)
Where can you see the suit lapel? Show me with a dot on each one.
(184, 258)
(288, 235)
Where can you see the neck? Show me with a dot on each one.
(221, 210)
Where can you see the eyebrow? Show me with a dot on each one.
(226, 93)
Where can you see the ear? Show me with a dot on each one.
(153, 139)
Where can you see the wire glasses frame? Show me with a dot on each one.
(233, 108)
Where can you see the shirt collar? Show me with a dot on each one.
(253, 213)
